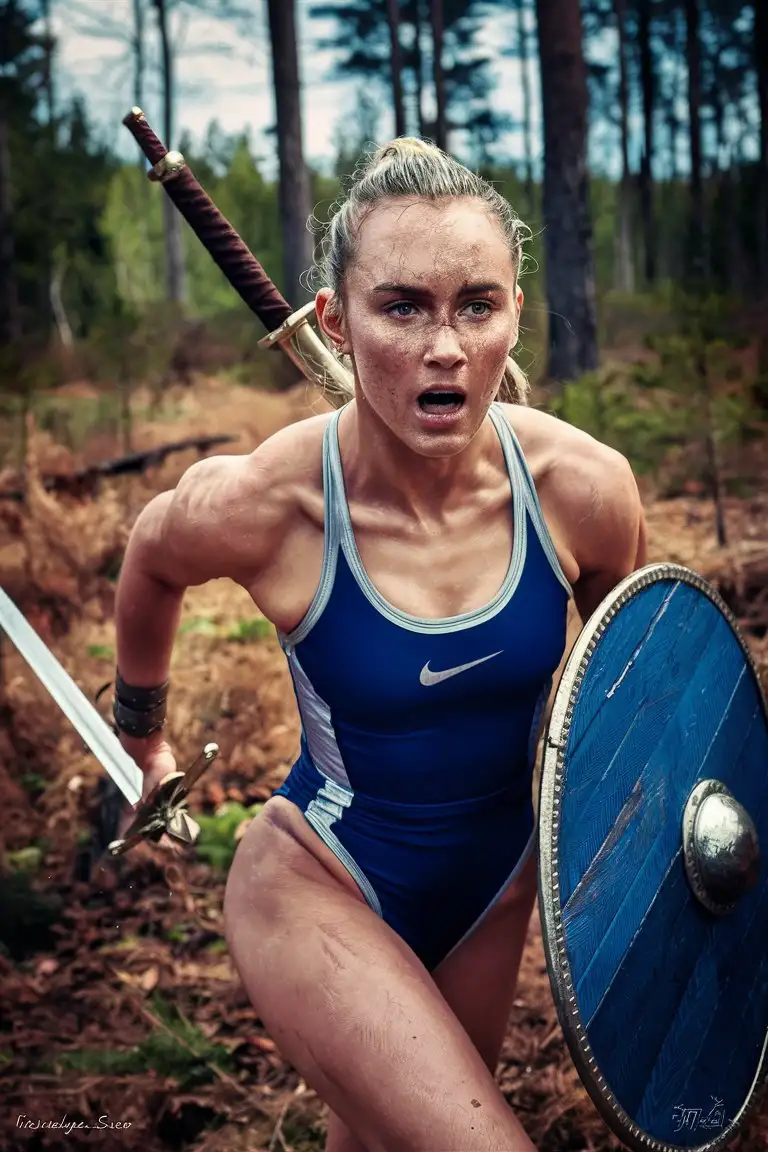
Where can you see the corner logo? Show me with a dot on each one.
(428, 677)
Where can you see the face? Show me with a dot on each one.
(430, 313)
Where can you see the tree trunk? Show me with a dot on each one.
(525, 88)
(50, 43)
(418, 68)
(57, 307)
(10, 321)
(625, 272)
(673, 126)
(696, 262)
(568, 233)
(648, 84)
(174, 249)
(438, 26)
(294, 187)
(711, 451)
(393, 21)
(761, 65)
(138, 64)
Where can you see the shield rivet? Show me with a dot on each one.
(720, 847)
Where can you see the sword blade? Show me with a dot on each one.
(76, 707)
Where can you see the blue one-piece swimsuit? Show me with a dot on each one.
(419, 735)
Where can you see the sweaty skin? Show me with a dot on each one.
(403, 1058)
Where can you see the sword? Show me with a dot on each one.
(164, 810)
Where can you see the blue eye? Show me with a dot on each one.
(399, 304)
(483, 304)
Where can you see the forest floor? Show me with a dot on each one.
(120, 1008)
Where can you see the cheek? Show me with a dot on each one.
(381, 353)
(490, 343)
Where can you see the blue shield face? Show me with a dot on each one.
(653, 895)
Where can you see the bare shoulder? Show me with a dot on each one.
(228, 514)
(590, 491)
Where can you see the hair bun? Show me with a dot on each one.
(404, 146)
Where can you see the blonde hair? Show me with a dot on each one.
(408, 166)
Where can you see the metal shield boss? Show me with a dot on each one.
(653, 891)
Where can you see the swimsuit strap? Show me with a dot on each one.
(531, 495)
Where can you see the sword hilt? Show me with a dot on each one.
(165, 809)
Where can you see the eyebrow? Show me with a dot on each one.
(416, 290)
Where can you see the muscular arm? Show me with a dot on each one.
(221, 520)
(609, 531)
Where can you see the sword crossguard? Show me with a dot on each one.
(165, 809)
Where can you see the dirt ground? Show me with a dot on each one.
(125, 1005)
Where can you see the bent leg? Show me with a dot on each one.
(479, 978)
(478, 981)
(352, 1009)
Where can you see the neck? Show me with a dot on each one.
(382, 469)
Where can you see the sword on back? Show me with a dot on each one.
(291, 331)
(164, 810)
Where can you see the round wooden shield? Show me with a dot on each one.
(652, 889)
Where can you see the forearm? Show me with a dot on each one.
(147, 607)
(147, 615)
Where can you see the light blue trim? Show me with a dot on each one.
(534, 508)
(329, 806)
(449, 623)
(317, 724)
(330, 552)
(522, 860)
(334, 796)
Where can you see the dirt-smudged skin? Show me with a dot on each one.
(403, 1057)
(239, 694)
(423, 297)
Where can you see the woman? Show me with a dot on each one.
(416, 551)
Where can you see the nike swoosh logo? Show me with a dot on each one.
(427, 677)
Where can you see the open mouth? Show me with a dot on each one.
(439, 402)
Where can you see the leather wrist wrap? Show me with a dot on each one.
(138, 711)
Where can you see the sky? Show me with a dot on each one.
(224, 73)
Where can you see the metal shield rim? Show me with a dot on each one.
(555, 744)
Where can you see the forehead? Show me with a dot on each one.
(427, 240)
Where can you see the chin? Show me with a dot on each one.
(433, 435)
(435, 439)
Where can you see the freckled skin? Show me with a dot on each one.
(400, 347)
(403, 1058)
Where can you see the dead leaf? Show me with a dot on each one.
(148, 980)
(46, 967)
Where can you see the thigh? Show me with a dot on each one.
(479, 978)
(478, 982)
(351, 1007)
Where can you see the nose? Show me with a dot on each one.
(445, 350)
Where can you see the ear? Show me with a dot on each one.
(519, 307)
(329, 319)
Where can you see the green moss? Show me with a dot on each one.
(101, 651)
(216, 842)
(244, 631)
(175, 1049)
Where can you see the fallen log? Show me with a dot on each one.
(84, 482)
